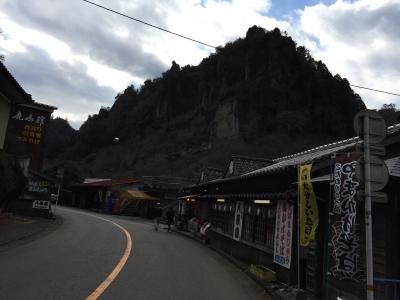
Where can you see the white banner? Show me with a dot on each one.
(41, 204)
(283, 234)
(237, 226)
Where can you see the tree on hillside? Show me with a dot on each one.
(72, 174)
(59, 136)
(390, 113)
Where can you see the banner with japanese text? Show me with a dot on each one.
(283, 234)
(309, 216)
(347, 250)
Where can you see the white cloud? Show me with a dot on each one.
(60, 51)
(359, 41)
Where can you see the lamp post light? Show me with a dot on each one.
(116, 141)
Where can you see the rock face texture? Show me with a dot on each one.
(226, 121)
(260, 96)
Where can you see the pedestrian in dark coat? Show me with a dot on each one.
(170, 217)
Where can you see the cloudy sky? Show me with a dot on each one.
(77, 57)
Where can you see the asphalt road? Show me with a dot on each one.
(72, 261)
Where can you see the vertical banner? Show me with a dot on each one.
(309, 216)
(346, 255)
(283, 234)
(237, 226)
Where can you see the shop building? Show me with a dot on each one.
(23, 125)
(136, 197)
(254, 217)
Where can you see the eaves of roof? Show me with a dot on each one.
(40, 106)
(291, 161)
(107, 183)
(244, 176)
(251, 196)
(307, 156)
(188, 196)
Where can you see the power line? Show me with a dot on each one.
(380, 91)
(148, 24)
(205, 44)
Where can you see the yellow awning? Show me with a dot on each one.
(138, 195)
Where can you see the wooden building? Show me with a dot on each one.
(23, 124)
(23, 121)
(105, 195)
(136, 197)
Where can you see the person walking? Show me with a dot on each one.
(157, 215)
(170, 218)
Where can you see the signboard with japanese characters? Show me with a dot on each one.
(283, 234)
(346, 229)
(41, 204)
(237, 226)
(25, 133)
(38, 186)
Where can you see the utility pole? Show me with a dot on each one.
(60, 176)
(368, 213)
(372, 171)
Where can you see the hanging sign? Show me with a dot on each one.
(309, 216)
(283, 234)
(346, 222)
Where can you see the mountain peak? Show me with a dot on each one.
(258, 96)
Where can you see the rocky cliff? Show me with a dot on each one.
(261, 96)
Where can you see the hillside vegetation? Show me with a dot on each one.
(261, 96)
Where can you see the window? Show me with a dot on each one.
(259, 224)
(223, 217)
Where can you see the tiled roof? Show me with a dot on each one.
(393, 165)
(393, 129)
(390, 131)
(211, 174)
(241, 165)
(291, 161)
(306, 156)
(317, 150)
(314, 153)
(166, 182)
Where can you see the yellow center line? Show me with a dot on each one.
(104, 285)
(110, 278)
